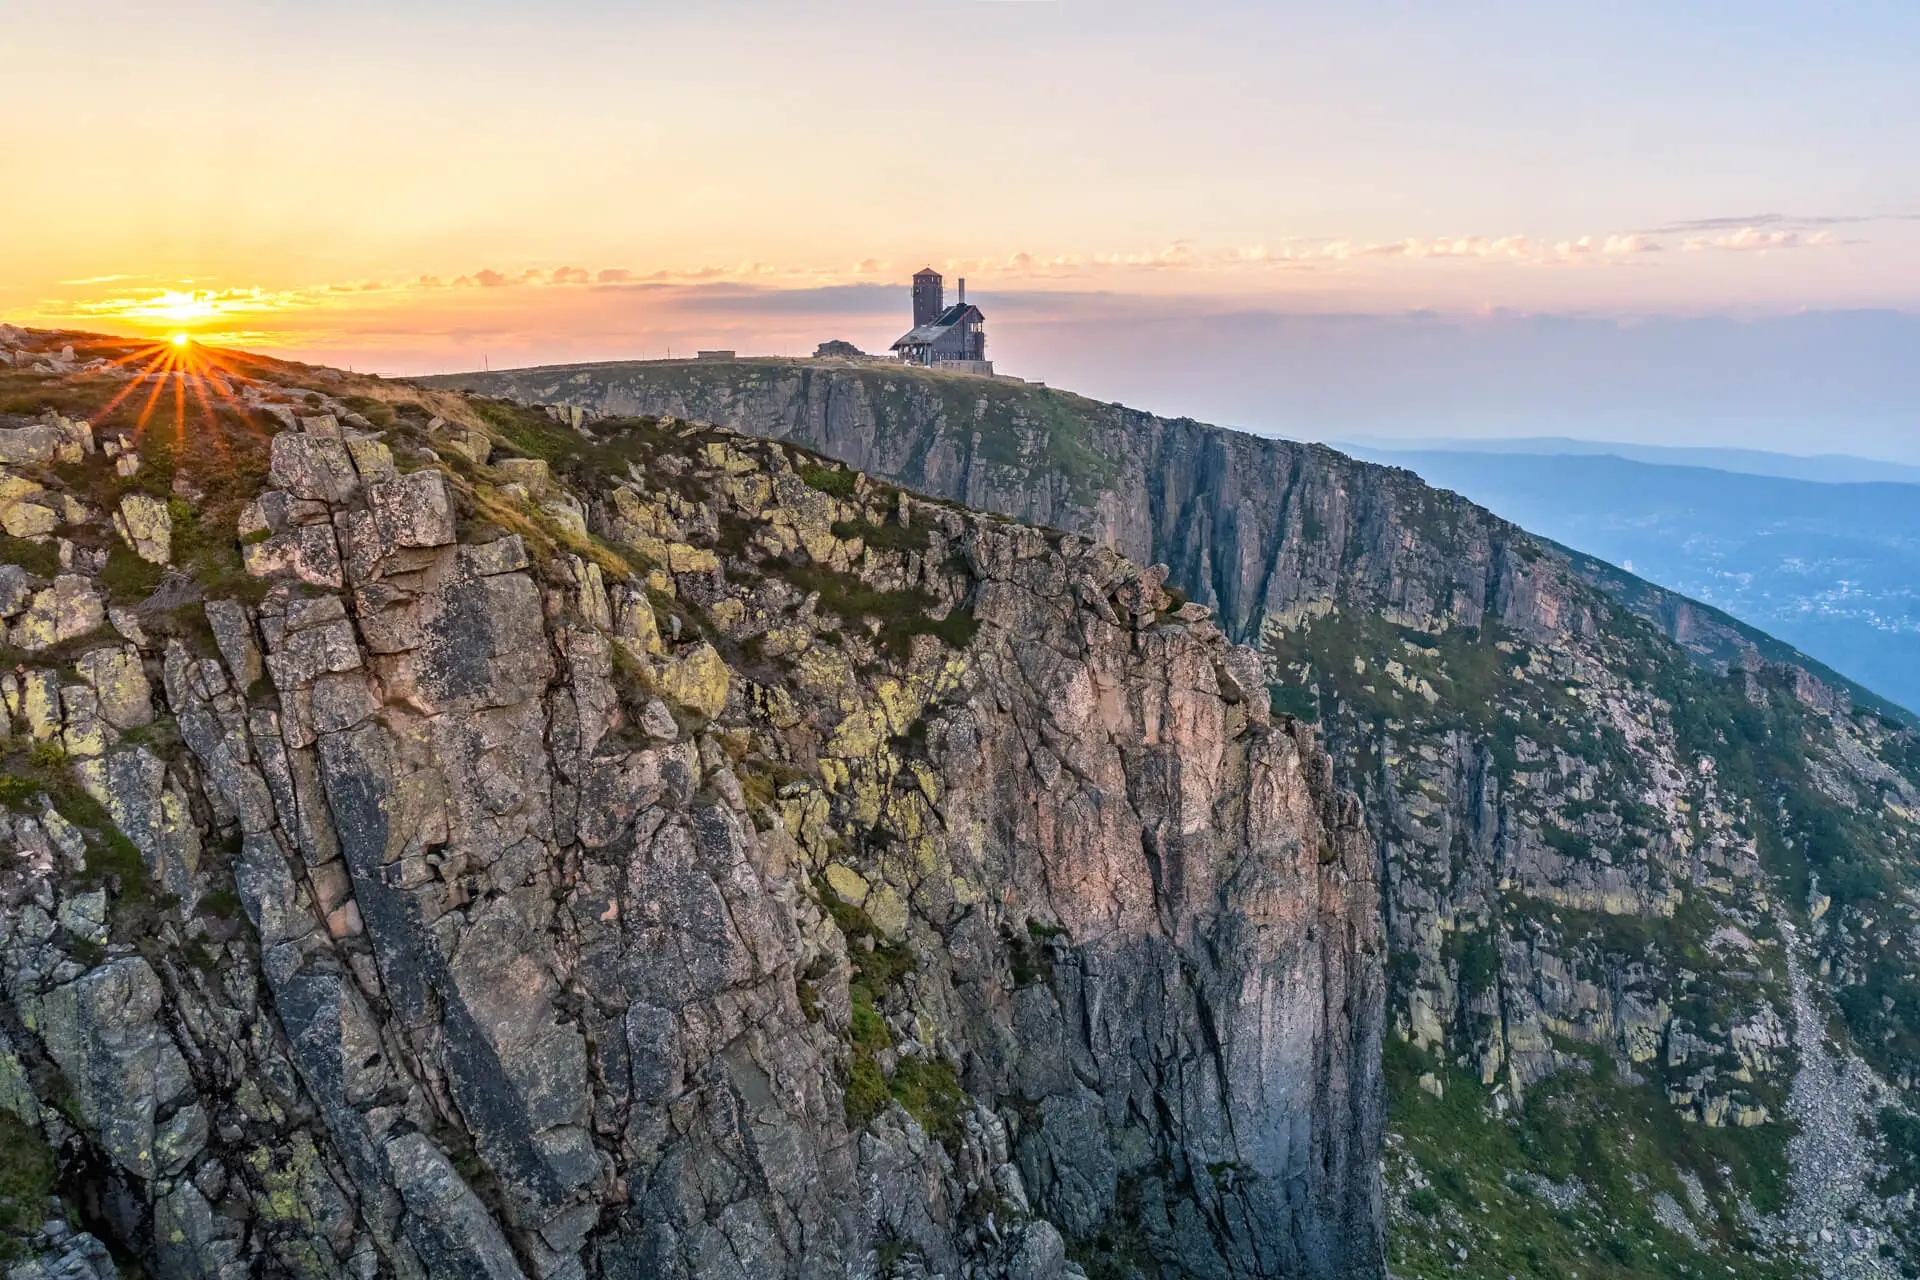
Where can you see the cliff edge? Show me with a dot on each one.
(451, 839)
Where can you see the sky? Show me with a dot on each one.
(1394, 218)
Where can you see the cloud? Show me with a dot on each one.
(1796, 222)
(1294, 255)
(1694, 225)
(1753, 239)
(1470, 247)
(1327, 255)
(156, 307)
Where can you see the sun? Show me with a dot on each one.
(181, 339)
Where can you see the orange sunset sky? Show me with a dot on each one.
(425, 187)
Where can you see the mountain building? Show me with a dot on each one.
(943, 337)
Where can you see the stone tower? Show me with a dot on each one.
(929, 296)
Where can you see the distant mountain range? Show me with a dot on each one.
(1825, 468)
(1805, 548)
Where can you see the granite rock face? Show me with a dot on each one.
(517, 841)
(696, 860)
(1610, 821)
(1252, 527)
(1257, 528)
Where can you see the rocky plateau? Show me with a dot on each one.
(449, 838)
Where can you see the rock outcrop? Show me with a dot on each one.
(1257, 528)
(1603, 812)
(448, 837)
(466, 845)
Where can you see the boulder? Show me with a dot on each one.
(372, 459)
(121, 1065)
(151, 810)
(16, 589)
(453, 1232)
(28, 519)
(307, 554)
(234, 636)
(414, 510)
(698, 680)
(38, 445)
(60, 1253)
(68, 609)
(531, 472)
(119, 681)
(1040, 1255)
(471, 445)
(314, 467)
(145, 524)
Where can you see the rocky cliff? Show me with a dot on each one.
(443, 838)
(1258, 528)
(1648, 876)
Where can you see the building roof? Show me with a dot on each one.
(925, 271)
(958, 313)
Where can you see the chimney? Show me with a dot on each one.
(963, 291)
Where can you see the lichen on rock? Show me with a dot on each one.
(146, 526)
